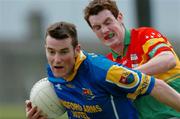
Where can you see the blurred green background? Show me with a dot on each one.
(17, 111)
(22, 30)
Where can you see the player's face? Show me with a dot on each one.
(61, 56)
(107, 28)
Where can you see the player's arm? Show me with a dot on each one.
(165, 94)
(161, 63)
(135, 84)
(32, 112)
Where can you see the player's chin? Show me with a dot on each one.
(59, 74)
(107, 43)
(111, 42)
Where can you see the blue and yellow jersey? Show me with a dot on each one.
(141, 45)
(100, 89)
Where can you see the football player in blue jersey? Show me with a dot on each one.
(90, 86)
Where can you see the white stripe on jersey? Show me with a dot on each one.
(114, 107)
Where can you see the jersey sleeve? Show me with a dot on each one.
(131, 82)
(154, 42)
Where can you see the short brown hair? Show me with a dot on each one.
(96, 6)
(61, 30)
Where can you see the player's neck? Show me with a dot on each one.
(118, 48)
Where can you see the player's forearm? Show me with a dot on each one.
(159, 64)
(165, 94)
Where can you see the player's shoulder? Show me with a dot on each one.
(146, 33)
(99, 61)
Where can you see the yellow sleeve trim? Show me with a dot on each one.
(142, 88)
(122, 77)
(150, 43)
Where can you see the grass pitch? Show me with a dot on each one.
(16, 111)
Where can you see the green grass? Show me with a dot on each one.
(16, 111)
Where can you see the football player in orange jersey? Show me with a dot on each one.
(144, 49)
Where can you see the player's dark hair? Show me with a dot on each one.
(63, 30)
(96, 6)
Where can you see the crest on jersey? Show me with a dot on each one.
(88, 93)
(126, 78)
(123, 77)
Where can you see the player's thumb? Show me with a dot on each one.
(28, 105)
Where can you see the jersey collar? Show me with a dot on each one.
(126, 44)
(80, 58)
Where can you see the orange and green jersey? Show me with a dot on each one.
(141, 45)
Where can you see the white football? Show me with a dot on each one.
(44, 97)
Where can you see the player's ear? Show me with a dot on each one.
(77, 50)
(120, 17)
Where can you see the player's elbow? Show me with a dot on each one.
(171, 62)
(168, 59)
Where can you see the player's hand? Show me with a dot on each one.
(33, 112)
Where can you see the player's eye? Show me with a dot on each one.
(96, 28)
(64, 52)
(51, 52)
(108, 21)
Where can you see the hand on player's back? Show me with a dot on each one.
(33, 112)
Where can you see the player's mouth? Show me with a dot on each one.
(58, 67)
(109, 35)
